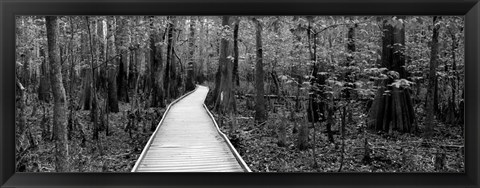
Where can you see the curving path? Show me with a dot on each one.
(188, 140)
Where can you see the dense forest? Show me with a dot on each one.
(292, 93)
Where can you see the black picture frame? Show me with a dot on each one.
(10, 8)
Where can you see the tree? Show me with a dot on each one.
(189, 85)
(59, 97)
(100, 52)
(236, 77)
(156, 78)
(223, 93)
(349, 76)
(121, 40)
(202, 49)
(392, 107)
(94, 105)
(260, 114)
(170, 81)
(44, 87)
(71, 114)
(432, 78)
(111, 68)
(316, 99)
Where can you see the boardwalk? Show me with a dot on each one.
(188, 140)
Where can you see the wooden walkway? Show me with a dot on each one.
(187, 139)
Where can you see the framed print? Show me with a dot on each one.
(239, 93)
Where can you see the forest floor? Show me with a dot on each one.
(257, 144)
(114, 153)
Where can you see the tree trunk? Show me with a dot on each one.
(455, 79)
(122, 48)
(316, 100)
(156, 63)
(303, 132)
(44, 87)
(170, 84)
(432, 79)
(26, 69)
(71, 115)
(87, 90)
(392, 107)
(59, 97)
(111, 70)
(112, 91)
(223, 93)
(282, 129)
(190, 85)
(100, 52)
(94, 105)
(260, 114)
(349, 78)
(236, 76)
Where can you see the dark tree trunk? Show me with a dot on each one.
(235, 52)
(111, 70)
(135, 59)
(260, 113)
(122, 48)
(303, 132)
(94, 105)
(349, 77)
(190, 85)
(156, 79)
(432, 79)
(44, 87)
(453, 104)
(112, 90)
(350, 49)
(71, 115)
(203, 56)
(59, 97)
(392, 110)
(316, 100)
(170, 82)
(101, 56)
(224, 96)
(87, 90)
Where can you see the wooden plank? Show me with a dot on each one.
(187, 140)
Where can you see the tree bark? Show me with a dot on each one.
(236, 76)
(452, 116)
(112, 90)
(190, 85)
(170, 82)
(94, 105)
(260, 114)
(156, 62)
(349, 78)
(432, 79)
(87, 90)
(392, 107)
(202, 49)
(59, 97)
(71, 115)
(44, 87)
(316, 101)
(101, 56)
(224, 96)
(111, 70)
(122, 48)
